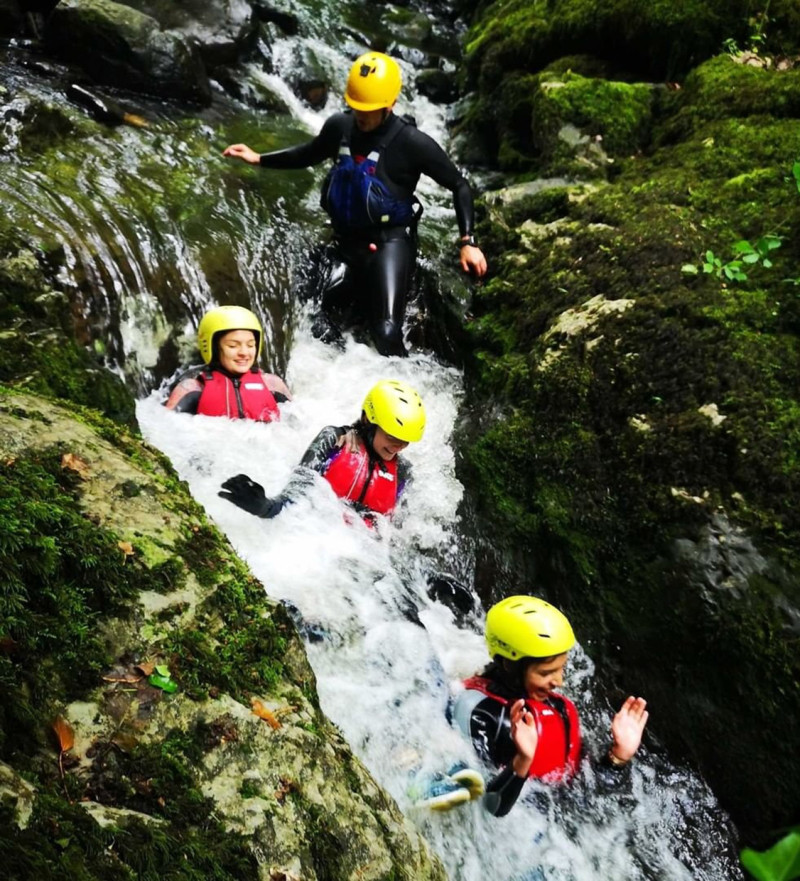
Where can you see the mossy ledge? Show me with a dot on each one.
(110, 568)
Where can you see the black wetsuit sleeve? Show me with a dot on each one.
(324, 146)
(431, 160)
(486, 722)
(188, 403)
(319, 450)
(404, 476)
(502, 792)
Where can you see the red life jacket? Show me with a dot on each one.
(245, 397)
(558, 751)
(357, 478)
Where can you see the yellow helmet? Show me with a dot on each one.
(396, 408)
(221, 320)
(374, 82)
(527, 627)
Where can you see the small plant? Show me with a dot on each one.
(744, 254)
(796, 174)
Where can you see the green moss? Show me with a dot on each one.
(62, 839)
(617, 112)
(606, 475)
(47, 362)
(724, 89)
(62, 576)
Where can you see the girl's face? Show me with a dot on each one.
(237, 350)
(386, 446)
(542, 677)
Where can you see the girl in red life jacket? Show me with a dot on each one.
(361, 462)
(231, 384)
(514, 716)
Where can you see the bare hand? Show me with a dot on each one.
(472, 260)
(525, 737)
(348, 441)
(627, 728)
(276, 384)
(243, 152)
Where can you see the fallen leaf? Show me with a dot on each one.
(8, 644)
(64, 733)
(134, 119)
(263, 713)
(126, 547)
(147, 667)
(76, 464)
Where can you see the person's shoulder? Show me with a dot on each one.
(341, 121)
(411, 133)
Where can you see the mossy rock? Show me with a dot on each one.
(726, 88)
(658, 40)
(120, 46)
(642, 470)
(563, 123)
(111, 571)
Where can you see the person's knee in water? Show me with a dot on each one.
(378, 159)
(362, 462)
(231, 384)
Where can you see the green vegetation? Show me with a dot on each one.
(62, 576)
(644, 465)
(744, 254)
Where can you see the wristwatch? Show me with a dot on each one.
(467, 240)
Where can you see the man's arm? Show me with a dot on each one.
(437, 165)
(324, 146)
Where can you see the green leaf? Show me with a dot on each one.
(710, 256)
(163, 670)
(780, 863)
(708, 267)
(766, 262)
(163, 682)
(689, 269)
(751, 258)
(743, 247)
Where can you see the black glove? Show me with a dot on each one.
(250, 496)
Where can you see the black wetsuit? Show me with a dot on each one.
(317, 458)
(486, 722)
(372, 270)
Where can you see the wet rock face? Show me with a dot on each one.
(643, 464)
(11, 18)
(187, 720)
(120, 46)
(221, 30)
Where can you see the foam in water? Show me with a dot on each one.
(384, 679)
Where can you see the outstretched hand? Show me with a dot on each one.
(246, 494)
(243, 152)
(627, 728)
(472, 260)
(525, 737)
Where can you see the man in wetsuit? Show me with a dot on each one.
(369, 195)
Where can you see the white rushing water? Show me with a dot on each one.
(384, 679)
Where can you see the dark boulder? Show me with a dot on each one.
(120, 46)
